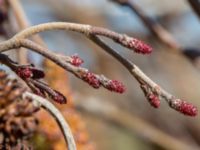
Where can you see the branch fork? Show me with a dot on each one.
(153, 92)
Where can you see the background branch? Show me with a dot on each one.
(134, 124)
(195, 4)
(156, 29)
(23, 23)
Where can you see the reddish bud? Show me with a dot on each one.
(116, 86)
(24, 73)
(154, 100)
(76, 60)
(184, 107)
(91, 79)
(139, 46)
(44, 90)
(29, 72)
(58, 97)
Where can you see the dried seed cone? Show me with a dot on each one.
(17, 122)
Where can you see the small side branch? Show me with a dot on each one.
(58, 117)
(132, 68)
(152, 91)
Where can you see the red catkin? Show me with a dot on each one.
(76, 60)
(140, 47)
(184, 107)
(154, 100)
(59, 98)
(29, 72)
(91, 79)
(24, 73)
(137, 45)
(115, 86)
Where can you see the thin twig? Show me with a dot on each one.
(19, 13)
(22, 20)
(123, 39)
(22, 24)
(58, 117)
(80, 72)
(132, 68)
(156, 29)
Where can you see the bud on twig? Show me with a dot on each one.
(154, 100)
(137, 45)
(140, 46)
(152, 97)
(28, 71)
(116, 86)
(91, 79)
(184, 107)
(76, 60)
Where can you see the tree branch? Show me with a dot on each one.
(125, 40)
(141, 77)
(152, 91)
(58, 117)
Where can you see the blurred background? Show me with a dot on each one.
(127, 121)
